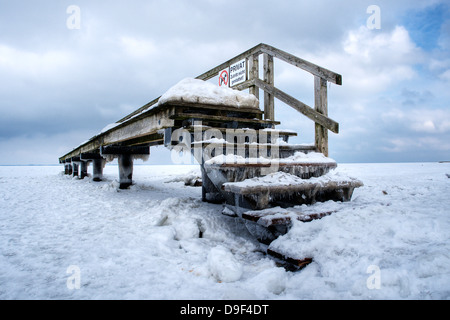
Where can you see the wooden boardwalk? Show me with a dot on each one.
(245, 135)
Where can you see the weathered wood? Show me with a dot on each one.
(321, 106)
(143, 126)
(208, 108)
(282, 55)
(302, 64)
(141, 109)
(298, 263)
(269, 103)
(306, 185)
(300, 106)
(200, 116)
(125, 170)
(269, 217)
(129, 150)
(148, 119)
(83, 169)
(214, 71)
(75, 169)
(279, 133)
(97, 169)
(90, 156)
(253, 66)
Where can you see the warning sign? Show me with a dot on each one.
(224, 78)
(234, 74)
(238, 72)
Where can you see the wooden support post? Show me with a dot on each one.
(269, 101)
(67, 168)
(98, 163)
(97, 169)
(83, 169)
(125, 158)
(210, 193)
(321, 106)
(74, 168)
(125, 170)
(253, 67)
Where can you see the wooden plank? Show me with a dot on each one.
(214, 71)
(181, 116)
(115, 150)
(253, 66)
(269, 104)
(302, 64)
(199, 107)
(300, 106)
(298, 263)
(269, 131)
(144, 107)
(141, 127)
(144, 124)
(321, 106)
(284, 189)
(269, 217)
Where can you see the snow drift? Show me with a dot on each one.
(158, 240)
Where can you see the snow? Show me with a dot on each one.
(109, 127)
(158, 240)
(297, 158)
(276, 179)
(199, 91)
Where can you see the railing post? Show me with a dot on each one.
(253, 67)
(269, 103)
(321, 106)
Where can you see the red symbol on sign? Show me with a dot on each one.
(223, 78)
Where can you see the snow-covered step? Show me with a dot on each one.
(290, 190)
(235, 168)
(270, 134)
(292, 263)
(268, 224)
(257, 152)
(282, 216)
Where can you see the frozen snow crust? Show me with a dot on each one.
(157, 240)
(198, 91)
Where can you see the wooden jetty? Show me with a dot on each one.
(233, 140)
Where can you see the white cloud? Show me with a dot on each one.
(137, 48)
(445, 75)
(373, 61)
(32, 64)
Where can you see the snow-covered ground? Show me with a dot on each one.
(65, 238)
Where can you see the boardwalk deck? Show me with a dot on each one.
(213, 122)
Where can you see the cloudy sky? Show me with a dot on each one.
(63, 79)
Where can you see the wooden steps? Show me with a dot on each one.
(280, 216)
(292, 264)
(209, 119)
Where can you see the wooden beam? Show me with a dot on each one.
(117, 150)
(300, 106)
(253, 73)
(141, 109)
(205, 117)
(302, 64)
(214, 71)
(269, 102)
(321, 106)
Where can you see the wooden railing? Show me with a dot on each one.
(318, 114)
